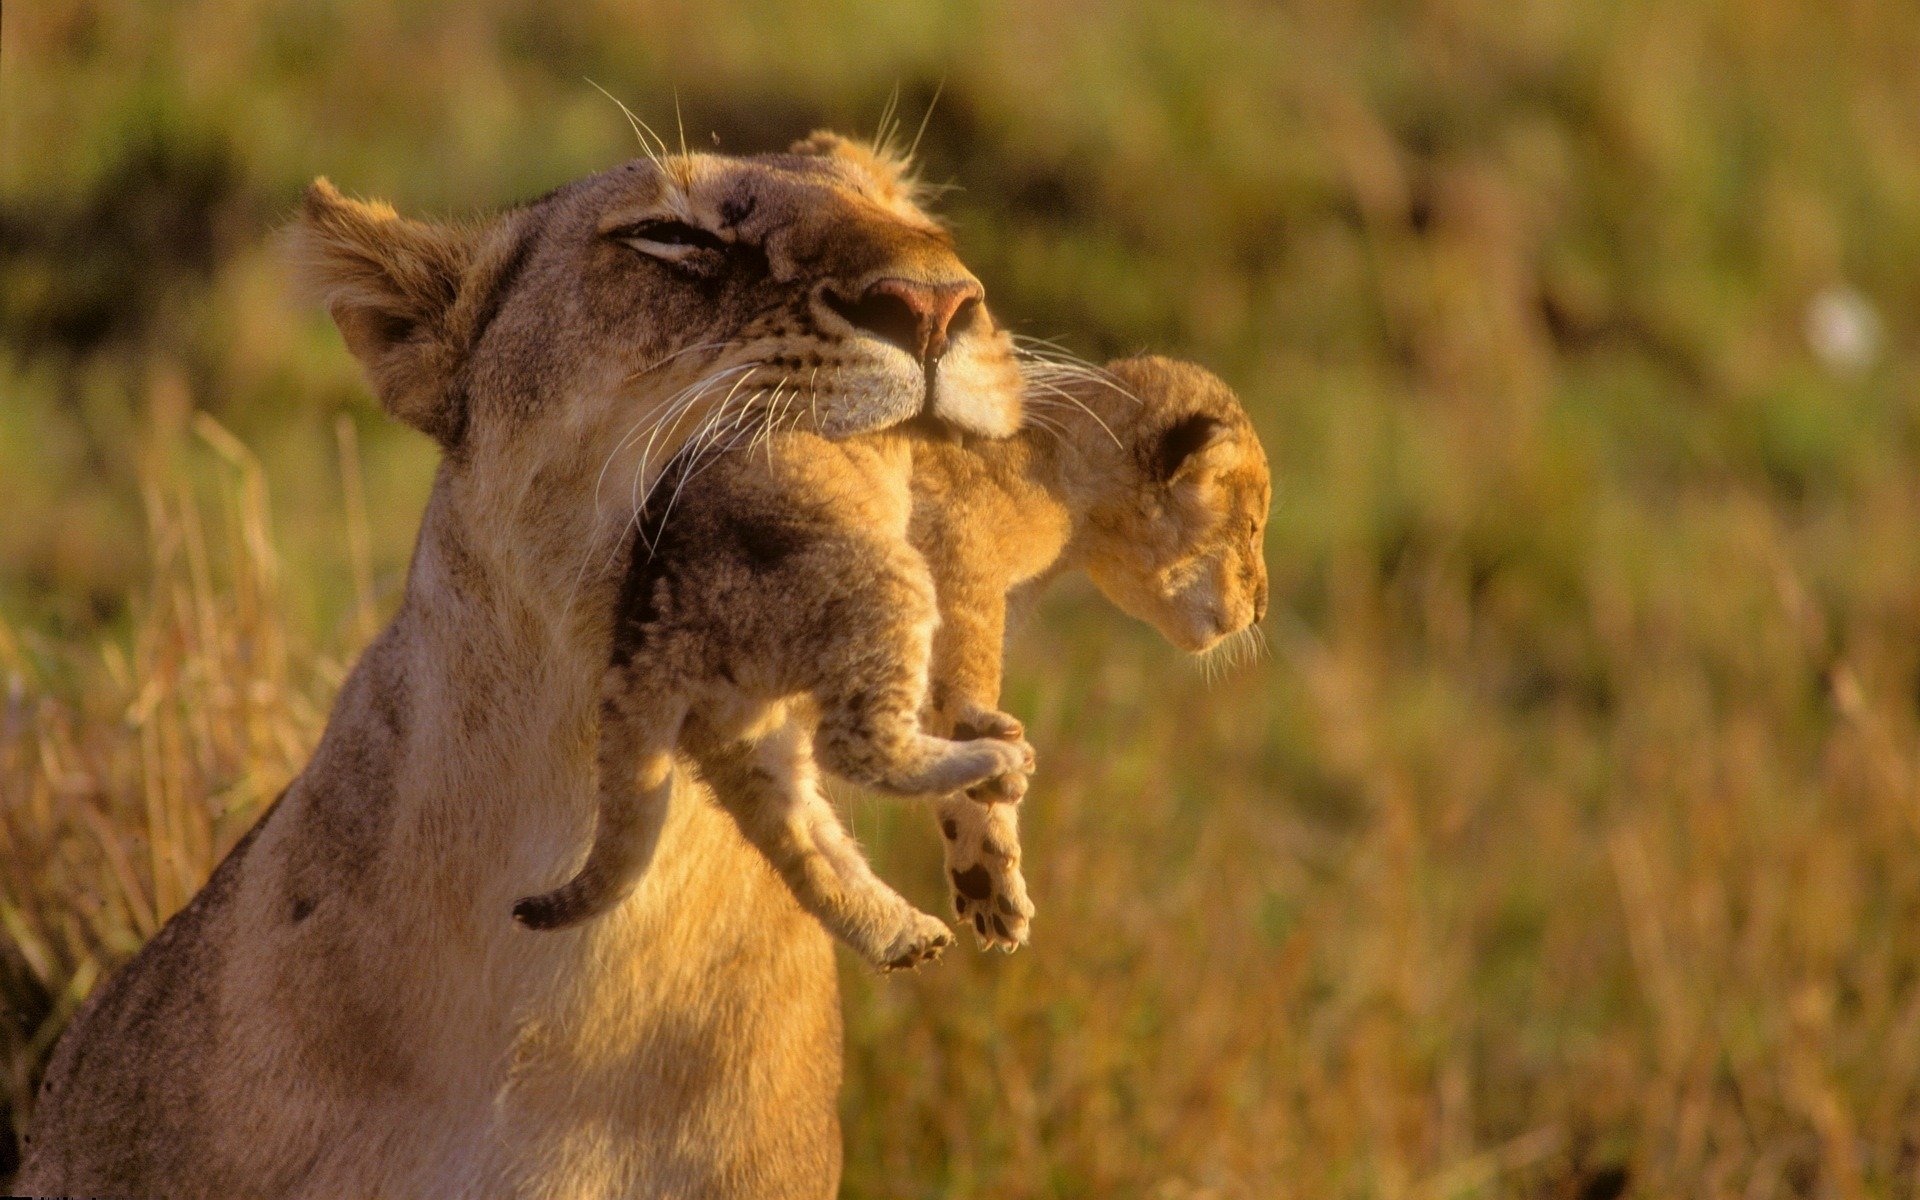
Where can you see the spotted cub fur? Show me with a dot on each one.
(773, 609)
(1148, 476)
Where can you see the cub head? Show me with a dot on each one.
(1179, 509)
(580, 338)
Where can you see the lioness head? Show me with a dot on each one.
(583, 336)
(1174, 537)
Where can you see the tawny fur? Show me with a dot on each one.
(1148, 476)
(346, 1009)
(786, 573)
(772, 607)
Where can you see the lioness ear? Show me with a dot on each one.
(893, 172)
(392, 286)
(1188, 445)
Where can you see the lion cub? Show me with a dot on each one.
(778, 612)
(1148, 476)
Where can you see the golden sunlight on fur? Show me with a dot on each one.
(346, 1008)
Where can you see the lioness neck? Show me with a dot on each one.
(455, 775)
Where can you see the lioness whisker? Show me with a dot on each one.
(913, 147)
(707, 454)
(638, 428)
(662, 361)
(1075, 402)
(1027, 339)
(672, 411)
(675, 410)
(789, 404)
(1046, 425)
(697, 448)
(1048, 370)
(741, 375)
(883, 133)
(1059, 362)
(766, 429)
(646, 147)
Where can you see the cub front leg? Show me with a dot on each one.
(980, 831)
(875, 739)
(982, 843)
(872, 690)
(972, 723)
(980, 835)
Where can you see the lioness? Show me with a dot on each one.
(344, 1010)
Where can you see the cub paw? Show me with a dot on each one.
(995, 727)
(920, 940)
(983, 865)
(1007, 783)
(972, 724)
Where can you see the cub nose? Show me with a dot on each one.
(915, 316)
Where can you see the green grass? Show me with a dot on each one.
(1569, 842)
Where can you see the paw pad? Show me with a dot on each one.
(983, 867)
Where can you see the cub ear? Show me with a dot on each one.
(1188, 445)
(391, 285)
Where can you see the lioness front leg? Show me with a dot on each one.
(772, 790)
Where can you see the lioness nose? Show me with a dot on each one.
(917, 317)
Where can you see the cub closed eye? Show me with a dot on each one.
(667, 238)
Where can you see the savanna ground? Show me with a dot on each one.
(1568, 844)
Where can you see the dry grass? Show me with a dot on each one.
(123, 794)
(1568, 845)
(1345, 923)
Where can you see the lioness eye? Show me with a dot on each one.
(666, 237)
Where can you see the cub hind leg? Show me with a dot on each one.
(638, 732)
(772, 789)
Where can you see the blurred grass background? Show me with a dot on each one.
(1568, 846)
